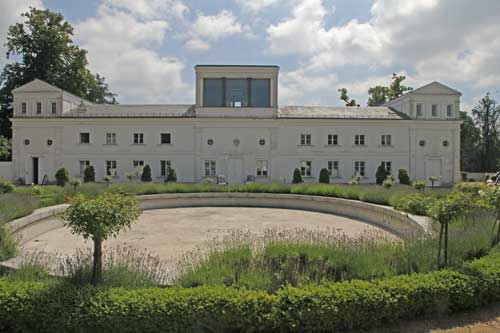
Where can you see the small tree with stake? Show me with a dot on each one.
(99, 219)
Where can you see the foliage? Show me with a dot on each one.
(146, 174)
(487, 117)
(433, 180)
(5, 149)
(48, 307)
(419, 185)
(89, 174)
(381, 174)
(388, 182)
(6, 185)
(297, 176)
(7, 245)
(403, 177)
(470, 136)
(416, 203)
(172, 176)
(43, 43)
(396, 89)
(75, 183)
(344, 97)
(355, 180)
(107, 179)
(324, 176)
(100, 218)
(62, 176)
(378, 95)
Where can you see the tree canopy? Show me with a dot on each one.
(486, 116)
(43, 48)
(344, 97)
(379, 95)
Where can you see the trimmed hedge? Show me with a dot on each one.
(337, 306)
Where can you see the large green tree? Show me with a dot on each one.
(379, 95)
(43, 48)
(487, 117)
(469, 143)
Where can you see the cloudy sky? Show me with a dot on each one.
(146, 49)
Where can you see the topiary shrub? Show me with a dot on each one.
(146, 174)
(355, 180)
(297, 177)
(62, 176)
(403, 177)
(381, 174)
(6, 185)
(419, 185)
(388, 182)
(89, 174)
(324, 176)
(172, 176)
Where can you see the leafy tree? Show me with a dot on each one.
(324, 176)
(403, 177)
(378, 95)
(62, 176)
(487, 117)
(297, 176)
(419, 185)
(172, 176)
(5, 149)
(89, 174)
(396, 89)
(344, 97)
(146, 174)
(44, 45)
(433, 180)
(381, 174)
(100, 218)
(470, 136)
(491, 197)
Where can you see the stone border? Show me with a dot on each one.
(400, 224)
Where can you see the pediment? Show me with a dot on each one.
(37, 86)
(436, 88)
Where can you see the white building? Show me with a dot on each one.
(236, 129)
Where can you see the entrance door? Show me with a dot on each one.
(433, 167)
(235, 171)
(35, 170)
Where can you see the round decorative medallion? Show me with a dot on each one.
(262, 142)
(49, 142)
(210, 142)
(421, 143)
(27, 142)
(445, 143)
(236, 142)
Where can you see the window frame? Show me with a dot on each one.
(85, 164)
(36, 107)
(248, 87)
(419, 110)
(306, 168)
(386, 140)
(359, 140)
(138, 138)
(332, 140)
(167, 135)
(211, 167)
(449, 110)
(138, 163)
(111, 138)
(434, 110)
(164, 165)
(387, 166)
(305, 139)
(262, 168)
(333, 165)
(360, 168)
(108, 168)
(82, 135)
(24, 107)
(53, 107)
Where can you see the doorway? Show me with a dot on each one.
(235, 171)
(35, 170)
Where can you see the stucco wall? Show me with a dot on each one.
(7, 170)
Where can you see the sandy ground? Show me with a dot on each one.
(171, 232)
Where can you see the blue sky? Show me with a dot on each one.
(146, 49)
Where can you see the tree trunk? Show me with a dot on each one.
(97, 265)
(440, 244)
(446, 244)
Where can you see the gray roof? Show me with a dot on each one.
(135, 111)
(339, 112)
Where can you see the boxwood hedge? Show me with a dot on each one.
(56, 307)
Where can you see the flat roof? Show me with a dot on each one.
(212, 65)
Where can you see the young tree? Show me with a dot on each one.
(469, 143)
(44, 45)
(433, 180)
(172, 176)
(146, 174)
(344, 97)
(89, 174)
(62, 176)
(381, 174)
(297, 176)
(324, 176)
(99, 219)
(378, 95)
(487, 117)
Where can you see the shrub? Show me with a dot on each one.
(355, 180)
(419, 185)
(297, 177)
(146, 174)
(388, 182)
(403, 177)
(62, 176)
(172, 176)
(433, 180)
(381, 174)
(324, 176)
(6, 186)
(471, 188)
(89, 174)
(417, 204)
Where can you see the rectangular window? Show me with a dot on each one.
(419, 110)
(23, 107)
(111, 168)
(165, 138)
(305, 139)
(305, 168)
(449, 110)
(387, 165)
(210, 169)
(359, 168)
(84, 165)
(138, 138)
(85, 138)
(38, 107)
(111, 138)
(164, 165)
(333, 139)
(54, 107)
(359, 139)
(236, 93)
(434, 110)
(262, 168)
(385, 140)
(213, 92)
(138, 164)
(333, 168)
(260, 93)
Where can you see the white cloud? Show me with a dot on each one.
(123, 48)
(10, 13)
(150, 9)
(256, 5)
(299, 87)
(197, 45)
